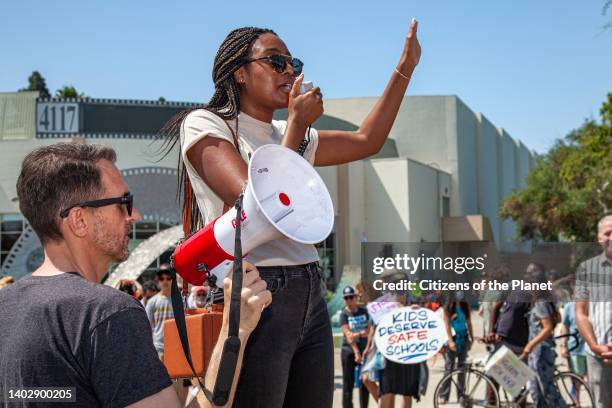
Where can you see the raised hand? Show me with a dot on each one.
(412, 51)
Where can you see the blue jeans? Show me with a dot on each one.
(542, 361)
(289, 358)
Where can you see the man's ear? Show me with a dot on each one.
(77, 222)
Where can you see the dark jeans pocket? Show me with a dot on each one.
(275, 283)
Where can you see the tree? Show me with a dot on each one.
(37, 83)
(570, 188)
(68, 91)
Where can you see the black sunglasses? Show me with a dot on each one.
(127, 199)
(349, 297)
(279, 63)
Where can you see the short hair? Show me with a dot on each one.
(56, 177)
(149, 285)
(164, 269)
(602, 221)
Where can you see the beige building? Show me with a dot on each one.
(440, 176)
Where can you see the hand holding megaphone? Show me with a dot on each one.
(304, 107)
(255, 296)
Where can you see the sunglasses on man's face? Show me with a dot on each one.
(351, 297)
(279, 63)
(127, 199)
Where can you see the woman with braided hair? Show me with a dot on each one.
(288, 360)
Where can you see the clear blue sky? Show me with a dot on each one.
(536, 68)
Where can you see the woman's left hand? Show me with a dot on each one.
(412, 51)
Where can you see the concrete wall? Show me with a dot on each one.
(465, 197)
(423, 197)
(523, 163)
(130, 153)
(18, 115)
(386, 200)
(506, 160)
(488, 186)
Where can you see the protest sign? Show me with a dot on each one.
(381, 306)
(410, 335)
(508, 370)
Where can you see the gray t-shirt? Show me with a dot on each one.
(64, 331)
(540, 310)
(159, 308)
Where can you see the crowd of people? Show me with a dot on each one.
(527, 323)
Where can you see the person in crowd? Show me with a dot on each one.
(540, 349)
(403, 380)
(254, 75)
(149, 289)
(572, 347)
(197, 298)
(6, 281)
(593, 296)
(457, 316)
(70, 329)
(508, 324)
(371, 363)
(128, 286)
(159, 308)
(354, 322)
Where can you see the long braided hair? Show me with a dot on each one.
(225, 102)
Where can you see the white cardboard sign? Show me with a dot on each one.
(381, 306)
(410, 335)
(509, 371)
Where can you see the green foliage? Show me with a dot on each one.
(570, 188)
(68, 91)
(36, 82)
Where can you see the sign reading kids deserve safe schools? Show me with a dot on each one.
(410, 335)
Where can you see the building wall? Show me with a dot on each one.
(443, 132)
(506, 161)
(488, 186)
(386, 200)
(424, 209)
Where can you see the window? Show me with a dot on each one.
(445, 206)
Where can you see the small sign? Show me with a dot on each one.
(509, 371)
(410, 335)
(381, 306)
(57, 117)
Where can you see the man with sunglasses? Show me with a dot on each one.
(64, 333)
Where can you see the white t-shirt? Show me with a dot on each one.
(252, 134)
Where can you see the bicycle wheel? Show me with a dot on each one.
(466, 388)
(574, 390)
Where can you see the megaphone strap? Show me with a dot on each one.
(231, 347)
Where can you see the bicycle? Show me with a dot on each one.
(474, 388)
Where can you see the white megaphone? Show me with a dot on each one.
(285, 197)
